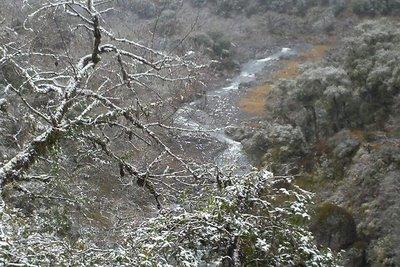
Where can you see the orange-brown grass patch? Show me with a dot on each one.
(358, 135)
(290, 70)
(254, 101)
(321, 148)
(314, 54)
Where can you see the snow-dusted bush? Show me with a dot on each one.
(373, 69)
(219, 47)
(371, 189)
(256, 219)
(252, 220)
(310, 89)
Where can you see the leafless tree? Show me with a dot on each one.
(89, 95)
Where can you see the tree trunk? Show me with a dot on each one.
(335, 111)
(234, 253)
(315, 122)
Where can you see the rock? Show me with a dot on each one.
(346, 148)
(256, 146)
(334, 227)
(239, 133)
(275, 145)
(3, 105)
(249, 84)
(343, 144)
(287, 53)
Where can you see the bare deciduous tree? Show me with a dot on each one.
(87, 95)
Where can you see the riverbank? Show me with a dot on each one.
(333, 125)
(219, 109)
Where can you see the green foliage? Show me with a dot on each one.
(222, 46)
(361, 7)
(203, 40)
(276, 145)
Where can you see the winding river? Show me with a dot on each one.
(218, 109)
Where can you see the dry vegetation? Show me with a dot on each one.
(254, 102)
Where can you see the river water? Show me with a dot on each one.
(209, 116)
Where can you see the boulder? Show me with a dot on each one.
(344, 145)
(275, 144)
(3, 105)
(334, 227)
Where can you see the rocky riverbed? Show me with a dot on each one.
(210, 117)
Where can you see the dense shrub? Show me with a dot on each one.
(219, 47)
(361, 7)
(250, 7)
(168, 23)
(148, 9)
(356, 91)
(322, 87)
(338, 8)
(198, 3)
(144, 8)
(299, 7)
(372, 64)
(222, 45)
(376, 7)
(226, 7)
(223, 231)
(276, 145)
(203, 40)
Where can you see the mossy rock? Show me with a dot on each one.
(334, 227)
